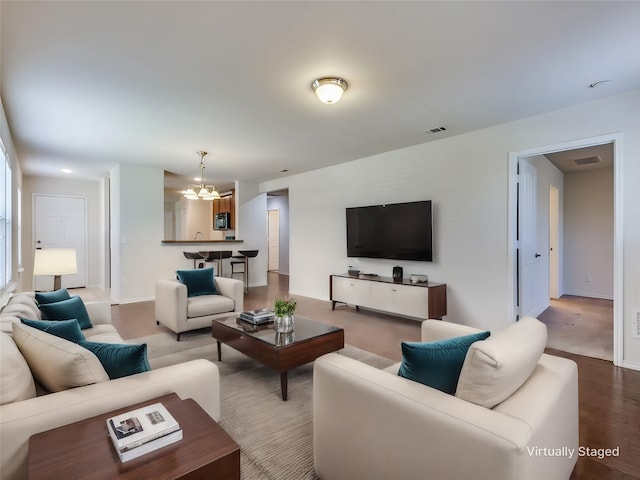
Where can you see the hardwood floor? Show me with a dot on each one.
(609, 396)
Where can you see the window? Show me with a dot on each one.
(5, 218)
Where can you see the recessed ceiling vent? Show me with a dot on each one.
(437, 129)
(587, 160)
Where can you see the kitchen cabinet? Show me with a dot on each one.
(226, 204)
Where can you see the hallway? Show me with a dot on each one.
(580, 325)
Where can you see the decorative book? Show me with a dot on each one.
(142, 431)
(257, 316)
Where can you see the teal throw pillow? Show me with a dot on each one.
(51, 297)
(120, 360)
(67, 329)
(198, 281)
(66, 309)
(437, 364)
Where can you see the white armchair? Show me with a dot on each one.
(374, 424)
(180, 313)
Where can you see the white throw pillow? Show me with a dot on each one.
(496, 367)
(15, 376)
(57, 364)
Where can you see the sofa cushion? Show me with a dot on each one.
(22, 309)
(437, 364)
(120, 360)
(66, 309)
(16, 380)
(52, 297)
(199, 281)
(209, 305)
(103, 333)
(57, 364)
(67, 329)
(496, 367)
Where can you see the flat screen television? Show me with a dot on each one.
(401, 231)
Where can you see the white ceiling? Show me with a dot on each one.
(87, 85)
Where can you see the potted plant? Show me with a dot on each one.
(283, 309)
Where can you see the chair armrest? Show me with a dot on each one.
(197, 379)
(232, 288)
(368, 423)
(432, 330)
(99, 312)
(171, 303)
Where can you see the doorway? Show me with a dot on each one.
(518, 284)
(273, 237)
(60, 222)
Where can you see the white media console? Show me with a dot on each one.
(419, 300)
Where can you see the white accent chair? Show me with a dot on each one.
(374, 424)
(180, 313)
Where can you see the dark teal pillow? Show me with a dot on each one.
(198, 281)
(66, 309)
(67, 329)
(51, 297)
(119, 360)
(437, 364)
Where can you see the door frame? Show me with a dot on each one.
(85, 233)
(512, 224)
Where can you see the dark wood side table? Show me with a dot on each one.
(84, 450)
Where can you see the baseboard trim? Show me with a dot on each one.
(631, 365)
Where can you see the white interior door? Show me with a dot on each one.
(529, 256)
(554, 243)
(60, 222)
(274, 239)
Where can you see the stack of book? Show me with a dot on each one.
(257, 316)
(142, 431)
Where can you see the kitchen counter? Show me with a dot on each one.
(197, 242)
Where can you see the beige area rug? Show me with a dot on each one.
(275, 437)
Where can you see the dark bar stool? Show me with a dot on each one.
(218, 257)
(193, 256)
(243, 259)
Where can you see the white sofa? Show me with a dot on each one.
(30, 412)
(180, 313)
(374, 424)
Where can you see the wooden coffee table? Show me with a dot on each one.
(280, 351)
(84, 450)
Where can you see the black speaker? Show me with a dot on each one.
(397, 274)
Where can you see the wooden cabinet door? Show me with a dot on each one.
(382, 296)
(350, 290)
(411, 301)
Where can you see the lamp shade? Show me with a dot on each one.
(55, 261)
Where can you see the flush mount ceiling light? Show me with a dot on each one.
(329, 90)
(205, 192)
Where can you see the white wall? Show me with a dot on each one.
(252, 229)
(137, 228)
(466, 176)
(588, 239)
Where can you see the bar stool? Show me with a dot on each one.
(193, 256)
(217, 256)
(243, 259)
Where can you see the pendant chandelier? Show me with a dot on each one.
(202, 191)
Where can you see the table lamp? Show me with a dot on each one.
(56, 262)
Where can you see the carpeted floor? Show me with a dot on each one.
(275, 437)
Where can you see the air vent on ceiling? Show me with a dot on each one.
(437, 129)
(587, 160)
